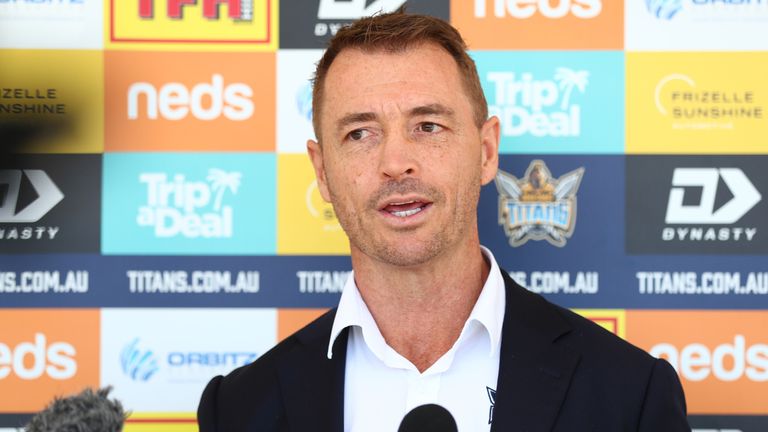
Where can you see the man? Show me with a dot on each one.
(404, 144)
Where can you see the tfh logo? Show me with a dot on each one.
(238, 10)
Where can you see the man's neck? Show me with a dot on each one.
(421, 310)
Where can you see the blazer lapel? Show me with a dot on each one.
(534, 372)
(312, 384)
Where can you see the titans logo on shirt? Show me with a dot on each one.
(538, 207)
(492, 397)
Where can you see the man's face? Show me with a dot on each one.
(402, 159)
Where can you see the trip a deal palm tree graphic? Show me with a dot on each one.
(568, 79)
(221, 181)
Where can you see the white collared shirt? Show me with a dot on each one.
(382, 386)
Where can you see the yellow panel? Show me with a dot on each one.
(55, 98)
(161, 422)
(699, 103)
(613, 320)
(126, 28)
(306, 224)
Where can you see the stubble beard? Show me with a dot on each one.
(404, 253)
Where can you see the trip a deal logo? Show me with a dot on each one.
(169, 203)
(218, 24)
(697, 204)
(555, 102)
(538, 206)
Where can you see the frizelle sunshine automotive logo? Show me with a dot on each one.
(192, 24)
(306, 223)
(697, 102)
(194, 203)
(188, 102)
(555, 102)
(721, 356)
(538, 207)
(51, 101)
(540, 24)
(45, 353)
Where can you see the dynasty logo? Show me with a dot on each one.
(538, 207)
(348, 10)
(47, 196)
(684, 216)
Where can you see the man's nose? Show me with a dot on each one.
(397, 156)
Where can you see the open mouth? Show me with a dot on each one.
(405, 208)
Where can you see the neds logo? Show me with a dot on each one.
(205, 101)
(30, 360)
(726, 362)
(522, 9)
(238, 10)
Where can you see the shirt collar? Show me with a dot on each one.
(488, 310)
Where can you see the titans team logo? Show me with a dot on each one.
(538, 207)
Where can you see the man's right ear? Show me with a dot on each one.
(315, 151)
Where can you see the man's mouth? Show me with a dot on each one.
(405, 208)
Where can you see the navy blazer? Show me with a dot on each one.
(558, 372)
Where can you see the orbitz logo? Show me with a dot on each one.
(180, 207)
(539, 107)
(664, 9)
(138, 364)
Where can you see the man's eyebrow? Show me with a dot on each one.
(432, 109)
(355, 118)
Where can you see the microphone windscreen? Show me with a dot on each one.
(428, 418)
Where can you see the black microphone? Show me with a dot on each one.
(428, 418)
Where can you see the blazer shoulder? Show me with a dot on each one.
(251, 394)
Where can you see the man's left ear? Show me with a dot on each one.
(490, 136)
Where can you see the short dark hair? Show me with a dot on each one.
(88, 411)
(396, 32)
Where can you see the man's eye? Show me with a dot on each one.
(357, 134)
(429, 127)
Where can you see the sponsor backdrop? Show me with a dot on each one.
(160, 222)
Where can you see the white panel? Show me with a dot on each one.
(161, 359)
